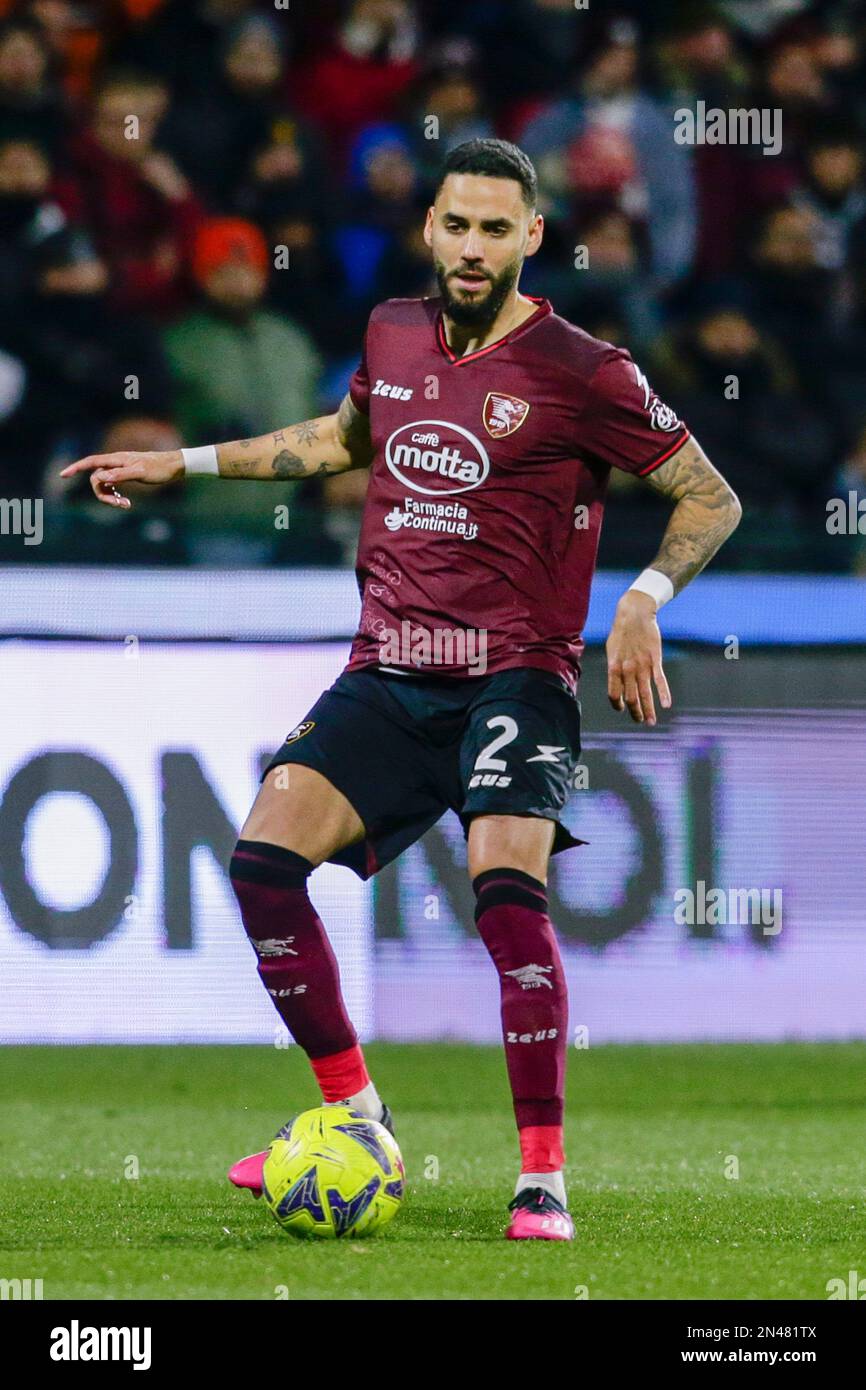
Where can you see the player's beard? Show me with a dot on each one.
(481, 313)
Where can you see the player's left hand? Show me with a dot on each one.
(634, 659)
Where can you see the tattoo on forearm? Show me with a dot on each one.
(690, 542)
(706, 513)
(353, 433)
(287, 465)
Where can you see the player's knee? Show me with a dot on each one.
(508, 888)
(522, 843)
(284, 824)
(256, 864)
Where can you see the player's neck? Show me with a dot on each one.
(462, 340)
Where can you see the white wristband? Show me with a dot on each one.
(656, 584)
(201, 460)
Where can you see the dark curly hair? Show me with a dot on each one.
(499, 159)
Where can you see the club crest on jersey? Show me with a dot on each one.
(503, 414)
(299, 730)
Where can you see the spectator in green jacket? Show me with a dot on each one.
(239, 369)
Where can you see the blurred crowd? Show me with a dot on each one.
(201, 201)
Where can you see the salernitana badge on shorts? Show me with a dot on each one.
(503, 414)
(300, 729)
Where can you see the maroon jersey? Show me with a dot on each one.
(484, 507)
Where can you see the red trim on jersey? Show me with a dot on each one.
(544, 308)
(666, 455)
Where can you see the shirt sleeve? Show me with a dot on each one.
(359, 383)
(624, 424)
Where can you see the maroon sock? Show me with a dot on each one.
(511, 916)
(296, 962)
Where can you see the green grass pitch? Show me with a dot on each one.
(653, 1134)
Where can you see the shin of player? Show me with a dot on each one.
(512, 920)
(297, 966)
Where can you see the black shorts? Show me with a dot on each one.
(404, 749)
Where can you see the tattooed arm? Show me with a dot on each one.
(327, 445)
(706, 512)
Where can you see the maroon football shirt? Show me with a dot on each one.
(482, 518)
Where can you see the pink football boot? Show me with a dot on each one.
(247, 1172)
(538, 1216)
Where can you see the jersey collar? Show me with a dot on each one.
(544, 308)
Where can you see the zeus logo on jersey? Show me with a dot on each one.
(397, 393)
(426, 457)
(488, 779)
(661, 415)
(547, 753)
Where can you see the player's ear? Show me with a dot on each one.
(536, 233)
(428, 227)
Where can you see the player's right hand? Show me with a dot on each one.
(108, 470)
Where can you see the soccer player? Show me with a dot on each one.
(490, 426)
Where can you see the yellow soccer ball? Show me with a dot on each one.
(332, 1172)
